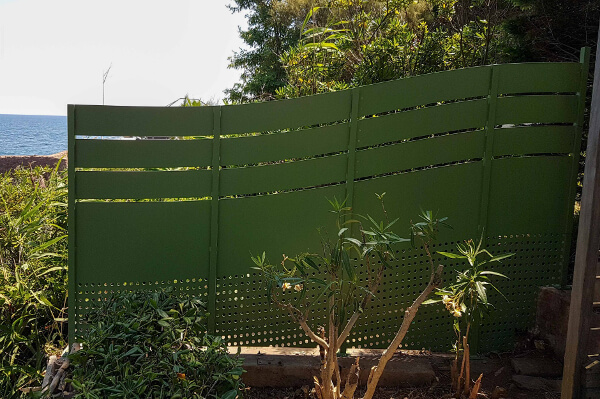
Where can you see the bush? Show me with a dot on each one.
(33, 255)
(152, 345)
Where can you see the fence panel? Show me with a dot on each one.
(494, 148)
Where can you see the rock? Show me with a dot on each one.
(511, 388)
(536, 383)
(540, 344)
(499, 392)
(8, 162)
(401, 370)
(552, 318)
(267, 370)
(537, 367)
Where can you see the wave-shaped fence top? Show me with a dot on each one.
(182, 197)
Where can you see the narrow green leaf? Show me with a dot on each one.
(493, 273)
(500, 257)
(311, 263)
(451, 255)
(354, 241)
(481, 292)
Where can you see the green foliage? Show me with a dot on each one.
(467, 298)
(303, 47)
(427, 229)
(337, 277)
(552, 30)
(273, 27)
(33, 250)
(152, 345)
(358, 237)
(191, 102)
(361, 42)
(334, 281)
(347, 43)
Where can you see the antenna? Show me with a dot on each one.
(104, 77)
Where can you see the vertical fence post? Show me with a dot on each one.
(214, 221)
(351, 165)
(584, 60)
(482, 227)
(72, 294)
(586, 256)
(488, 152)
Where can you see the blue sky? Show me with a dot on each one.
(54, 52)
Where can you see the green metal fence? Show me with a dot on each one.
(495, 148)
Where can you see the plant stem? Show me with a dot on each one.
(409, 315)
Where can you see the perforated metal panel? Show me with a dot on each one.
(494, 148)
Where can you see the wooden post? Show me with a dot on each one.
(586, 258)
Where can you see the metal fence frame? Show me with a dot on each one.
(495, 148)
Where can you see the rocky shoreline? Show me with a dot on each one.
(8, 162)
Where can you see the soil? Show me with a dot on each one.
(8, 162)
(497, 372)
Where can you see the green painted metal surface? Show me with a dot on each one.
(494, 148)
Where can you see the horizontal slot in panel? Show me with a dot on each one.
(529, 194)
(424, 89)
(96, 120)
(139, 185)
(142, 153)
(536, 109)
(144, 241)
(283, 176)
(420, 153)
(278, 146)
(534, 139)
(421, 122)
(539, 78)
(456, 194)
(286, 114)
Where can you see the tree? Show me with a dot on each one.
(353, 43)
(552, 30)
(345, 294)
(336, 282)
(273, 27)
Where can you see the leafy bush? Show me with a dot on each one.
(152, 345)
(33, 252)
(467, 300)
(346, 295)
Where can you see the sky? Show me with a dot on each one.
(54, 52)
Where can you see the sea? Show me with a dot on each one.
(32, 134)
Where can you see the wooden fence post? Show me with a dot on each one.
(586, 258)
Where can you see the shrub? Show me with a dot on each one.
(467, 300)
(33, 222)
(345, 294)
(152, 345)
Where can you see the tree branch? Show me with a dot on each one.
(348, 328)
(409, 315)
(312, 335)
(298, 317)
(357, 314)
